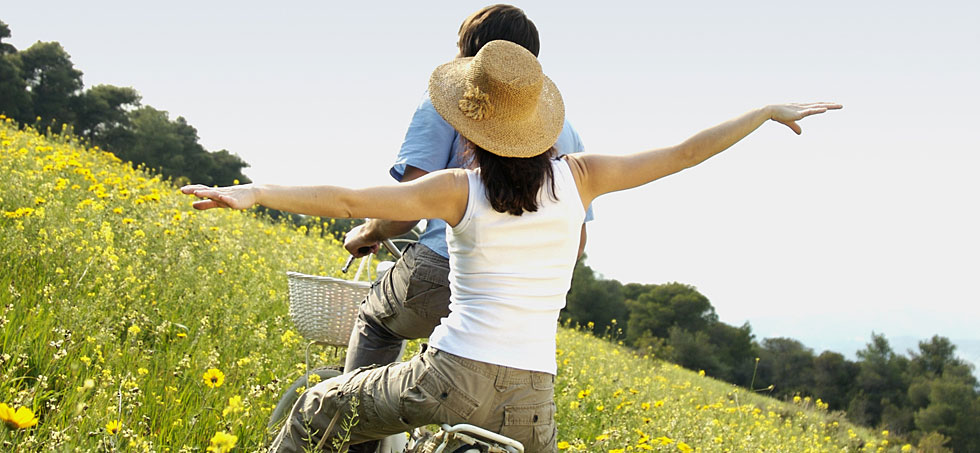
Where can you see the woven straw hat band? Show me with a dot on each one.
(500, 100)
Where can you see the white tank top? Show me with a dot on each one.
(509, 276)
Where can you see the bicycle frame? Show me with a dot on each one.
(477, 437)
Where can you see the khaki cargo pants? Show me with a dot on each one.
(433, 387)
(406, 303)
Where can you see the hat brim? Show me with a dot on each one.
(529, 136)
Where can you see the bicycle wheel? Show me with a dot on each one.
(290, 396)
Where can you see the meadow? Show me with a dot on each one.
(131, 322)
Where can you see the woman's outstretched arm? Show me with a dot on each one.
(437, 195)
(599, 174)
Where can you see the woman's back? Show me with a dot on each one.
(509, 276)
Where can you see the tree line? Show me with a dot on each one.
(930, 396)
(41, 86)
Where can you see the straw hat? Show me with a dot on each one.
(500, 100)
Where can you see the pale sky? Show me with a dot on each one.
(867, 222)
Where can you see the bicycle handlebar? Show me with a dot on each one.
(388, 245)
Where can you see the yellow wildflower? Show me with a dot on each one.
(222, 442)
(214, 378)
(113, 427)
(234, 406)
(17, 419)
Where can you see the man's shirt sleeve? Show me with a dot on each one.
(428, 143)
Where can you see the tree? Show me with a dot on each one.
(43, 81)
(5, 48)
(664, 306)
(880, 384)
(103, 109)
(943, 393)
(694, 351)
(226, 168)
(170, 147)
(593, 299)
(833, 379)
(953, 410)
(735, 350)
(934, 357)
(15, 101)
(786, 364)
(52, 81)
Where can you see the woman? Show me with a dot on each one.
(515, 221)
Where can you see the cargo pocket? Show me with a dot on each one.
(378, 302)
(531, 424)
(428, 289)
(435, 399)
(542, 381)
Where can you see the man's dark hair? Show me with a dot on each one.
(512, 183)
(497, 22)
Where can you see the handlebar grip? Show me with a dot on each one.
(350, 259)
(390, 246)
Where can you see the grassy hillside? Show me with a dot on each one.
(116, 299)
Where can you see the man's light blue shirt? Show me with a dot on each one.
(432, 144)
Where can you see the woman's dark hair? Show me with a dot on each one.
(512, 183)
(497, 22)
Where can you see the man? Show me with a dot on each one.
(413, 296)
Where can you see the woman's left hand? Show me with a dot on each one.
(233, 197)
(789, 114)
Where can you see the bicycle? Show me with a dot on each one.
(323, 310)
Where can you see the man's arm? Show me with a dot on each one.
(364, 238)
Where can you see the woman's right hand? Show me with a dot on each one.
(233, 197)
(789, 114)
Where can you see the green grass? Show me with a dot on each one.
(116, 298)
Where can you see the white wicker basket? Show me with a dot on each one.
(324, 308)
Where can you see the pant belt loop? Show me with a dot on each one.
(501, 380)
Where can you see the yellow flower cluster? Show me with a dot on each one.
(222, 442)
(611, 399)
(117, 295)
